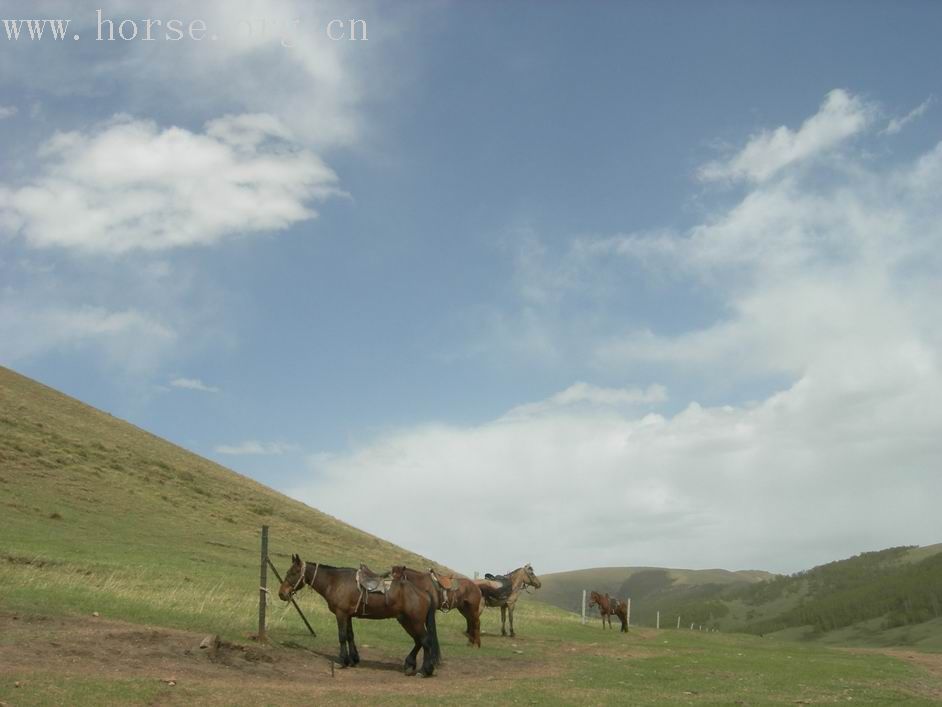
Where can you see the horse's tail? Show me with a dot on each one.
(432, 631)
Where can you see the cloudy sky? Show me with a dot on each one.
(569, 284)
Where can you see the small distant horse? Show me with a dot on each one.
(344, 590)
(458, 593)
(608, 607)
(503, 590)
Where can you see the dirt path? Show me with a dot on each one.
(99, 647)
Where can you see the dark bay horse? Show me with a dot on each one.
(609, 607)
(458, 593)
(503, 591)
(412, 607)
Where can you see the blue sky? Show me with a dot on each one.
(608, 283)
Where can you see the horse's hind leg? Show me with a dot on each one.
(354, 653)
(475, 620)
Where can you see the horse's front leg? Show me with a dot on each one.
(354, 653)
(503, 620)
(409, 665)
(343, 621)
(510, 611)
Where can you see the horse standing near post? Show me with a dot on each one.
(503, 591)
(609, 607)
(350, 594)
(453, 593)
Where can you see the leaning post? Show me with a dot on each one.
(583, 607)
(263, 586)
(628, 617)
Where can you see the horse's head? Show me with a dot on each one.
(594, 599)
(294, 578)
(531, 577)
(398, 572)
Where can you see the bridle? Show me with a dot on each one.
(303, 578)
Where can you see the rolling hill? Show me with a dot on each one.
(96, 511)
(890, 597)
(645, 585)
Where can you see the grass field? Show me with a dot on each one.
(99, 517)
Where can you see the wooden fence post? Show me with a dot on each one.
(628, 619)
(678, 622)
(583, 607)
(658, 624)
(263, 586)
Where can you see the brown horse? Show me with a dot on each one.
(453, 593)
(412, 607)
(609, 607)
(503, 591)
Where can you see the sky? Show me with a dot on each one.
(574, 284)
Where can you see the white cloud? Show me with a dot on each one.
(128, 337)
(8, 111)
(254, 447)
(828, 284)
(193, 384)
(586, 394)
(314, 86)
(129, 185)
(840, 117)
(897, 123)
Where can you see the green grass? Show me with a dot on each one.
(52, 689)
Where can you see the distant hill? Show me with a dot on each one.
(889, 597)
(93, 507)
(643, 584)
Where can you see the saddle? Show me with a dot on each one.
(444, 581)
(503, 589)
(448, 587)
(371, 581)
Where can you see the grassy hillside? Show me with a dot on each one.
(890, 589)
(887, 598)
(98, 515)
(648, 587)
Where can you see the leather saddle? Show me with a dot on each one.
(444, 581)
(372, 581)
(499, 589)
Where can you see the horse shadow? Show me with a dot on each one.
(372, 664)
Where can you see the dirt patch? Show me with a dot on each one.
(80, 646)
